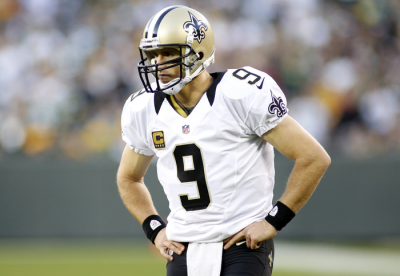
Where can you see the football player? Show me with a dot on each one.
(214, 135)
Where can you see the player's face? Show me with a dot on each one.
(163, 55)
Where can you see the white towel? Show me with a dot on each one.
(204, 259)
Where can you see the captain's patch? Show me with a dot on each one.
(158, 139)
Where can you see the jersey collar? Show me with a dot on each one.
(159, 96)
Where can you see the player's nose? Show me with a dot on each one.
(160, 59)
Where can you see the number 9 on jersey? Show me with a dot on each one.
(190, 168)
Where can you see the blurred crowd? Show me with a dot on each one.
(67, 67)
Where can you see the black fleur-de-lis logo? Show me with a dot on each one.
(277, 106)
(199, 27)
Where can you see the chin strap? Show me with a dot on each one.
(176, 88)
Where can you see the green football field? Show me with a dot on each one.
(82, 257)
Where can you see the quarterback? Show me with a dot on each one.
(214, 136)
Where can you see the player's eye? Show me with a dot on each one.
(170, 53)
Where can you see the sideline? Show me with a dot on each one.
(340, 259)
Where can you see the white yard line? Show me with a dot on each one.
(336, 259)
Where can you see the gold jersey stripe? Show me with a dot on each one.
(177, 107)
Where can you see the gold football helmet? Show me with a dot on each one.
(184, 29)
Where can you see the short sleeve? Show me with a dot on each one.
(268, 109)
(254, 99)
(133, 127)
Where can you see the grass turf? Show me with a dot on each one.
(62, 258)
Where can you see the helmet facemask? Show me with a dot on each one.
(187, 59)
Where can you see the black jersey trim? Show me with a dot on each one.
(158, 100)
(155, 30)
(217, 76)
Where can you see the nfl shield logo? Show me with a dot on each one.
(185, 129)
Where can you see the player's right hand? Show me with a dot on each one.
(165, 245)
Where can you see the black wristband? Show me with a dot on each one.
(279, 216)
(152, 225)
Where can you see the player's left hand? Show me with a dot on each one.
(254, 234)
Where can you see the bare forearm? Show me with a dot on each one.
(303, 180)
(136, 198)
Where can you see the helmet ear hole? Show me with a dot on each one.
(201, 54)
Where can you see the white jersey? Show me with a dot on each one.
(216, 170)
